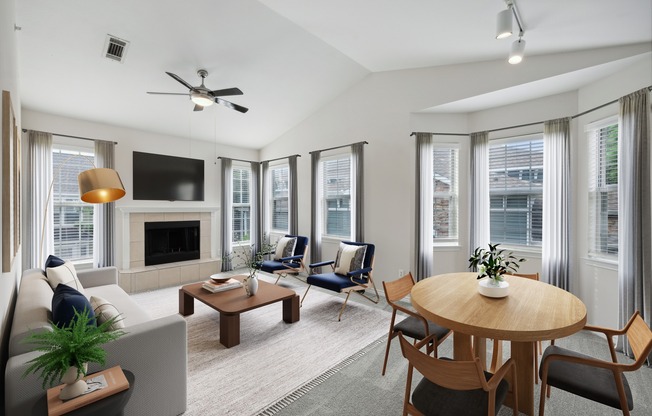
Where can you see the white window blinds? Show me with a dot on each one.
(336, 187)
(603, 187)
(241, 204)
(445, 194)
(280, 191)
(516, 190)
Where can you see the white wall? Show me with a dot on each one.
(8, 82)
(381, 109)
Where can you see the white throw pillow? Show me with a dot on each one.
(65, 274)
(285, 247)
(349, 258)
(104, 311)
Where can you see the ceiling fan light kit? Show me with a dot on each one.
(202, 96)
(504, 30)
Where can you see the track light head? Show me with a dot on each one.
(516, 53)
(504, 24)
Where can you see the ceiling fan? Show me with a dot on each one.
(203, 97)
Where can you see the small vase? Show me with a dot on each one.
(251, 285)
(75, 386)
(493, 288)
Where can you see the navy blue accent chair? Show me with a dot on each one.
(355, 281)
(292, 265)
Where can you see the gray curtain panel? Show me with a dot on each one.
(104, 253)
(423, 242)
(265, 226)
(226, 205)
(556, 201)
(480, 235)
(256, 229)
(357, 167)
(634, 222)
(315, 217)
(37, 175)
(294, 196)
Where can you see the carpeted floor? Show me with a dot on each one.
(274, 358)
(357, 387)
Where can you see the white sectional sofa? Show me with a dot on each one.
(153, 349)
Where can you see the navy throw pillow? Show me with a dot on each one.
(64, 303)
(53, 261)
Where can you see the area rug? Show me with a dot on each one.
(273, 358)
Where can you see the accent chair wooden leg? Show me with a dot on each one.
(339, 318)
(304, 295)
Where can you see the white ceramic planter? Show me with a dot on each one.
(486, 287)
(251, 285)
(74, 385)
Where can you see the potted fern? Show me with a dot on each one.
(68, 349)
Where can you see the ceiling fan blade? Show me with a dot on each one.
(198, 108)
(190, 87)
(226, 91)
(229, 104)
(168, 93)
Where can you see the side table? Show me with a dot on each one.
(109, 406)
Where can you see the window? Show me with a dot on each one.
(516, 190)
(603, 188)
(445, 194)
(336, 196)
(280, 194)
(241, 204)
(73, 219)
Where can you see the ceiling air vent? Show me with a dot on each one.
(115, 48)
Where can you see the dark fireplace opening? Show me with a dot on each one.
(171, 241)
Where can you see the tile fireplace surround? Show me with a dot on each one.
(136, 277)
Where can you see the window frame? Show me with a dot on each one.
(239, 205)
(273, 198)
(323, 198)
(65, 205)
(592, 135)
(533, 210)
(454, 194)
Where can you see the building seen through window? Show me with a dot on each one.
(445, 194)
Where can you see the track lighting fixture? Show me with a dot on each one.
(504, 30)
(516, 54)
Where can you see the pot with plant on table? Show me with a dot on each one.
(491, 265)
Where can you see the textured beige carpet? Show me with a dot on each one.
(274, 358)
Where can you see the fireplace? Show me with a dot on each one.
(171, 241)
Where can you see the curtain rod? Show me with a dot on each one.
(649, 88)
(337, 147)
(239, 160)
(72, 137)
(279, 158)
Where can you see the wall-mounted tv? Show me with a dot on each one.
(167, 178)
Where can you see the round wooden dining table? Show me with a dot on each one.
(533, 311)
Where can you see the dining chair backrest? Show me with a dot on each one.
(454, 375)
(533, 276)
(639, 336)
(398, 289)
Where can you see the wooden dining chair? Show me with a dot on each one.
(598, 380)
(414, 326)
(452, 387)
(497, 352)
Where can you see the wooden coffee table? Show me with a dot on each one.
(231, 303)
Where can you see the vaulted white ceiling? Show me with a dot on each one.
(289, 57)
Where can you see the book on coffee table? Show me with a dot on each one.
(214, 287)
(100, 385)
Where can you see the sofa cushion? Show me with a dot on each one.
(349, 258)
(65, 301)
(285, 247)
(105, 311)
(132, 313)
(53, 261)
(64, 274)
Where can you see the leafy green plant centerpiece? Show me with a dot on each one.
(70, 346)
(249, 257)
(493, 263)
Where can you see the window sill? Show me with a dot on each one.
(446, 247)
(601, 262)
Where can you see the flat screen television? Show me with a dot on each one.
(167, 178)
